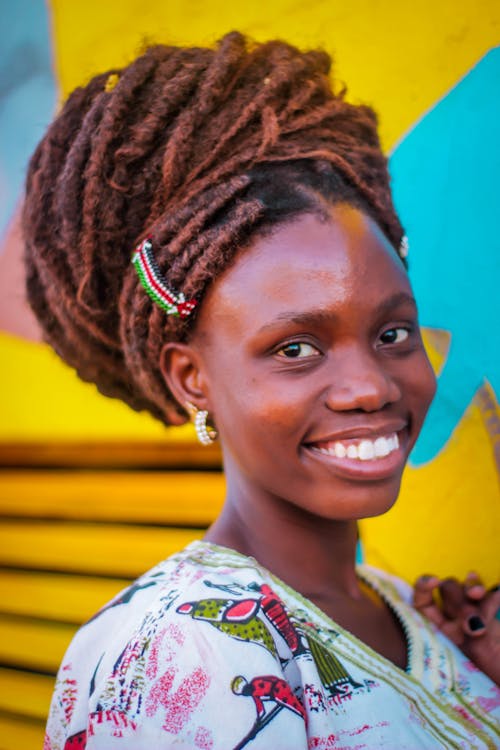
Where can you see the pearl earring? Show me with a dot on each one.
(206, 434)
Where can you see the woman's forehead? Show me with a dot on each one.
(310, 263)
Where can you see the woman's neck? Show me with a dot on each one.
(313, 555)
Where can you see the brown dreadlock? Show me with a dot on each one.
(200, 149)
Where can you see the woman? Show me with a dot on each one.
(267, 298)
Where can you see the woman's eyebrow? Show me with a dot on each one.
(395, 300)
(306, 318)
(320, 315)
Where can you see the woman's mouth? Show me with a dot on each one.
(374, 457)
(360, 450)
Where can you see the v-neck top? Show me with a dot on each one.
(210, 650)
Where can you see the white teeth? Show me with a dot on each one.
(365, 450)
(340, 450)
(352, 451)
(382, 447)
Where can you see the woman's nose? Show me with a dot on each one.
(359, 380)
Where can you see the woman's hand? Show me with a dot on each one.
(466, 613)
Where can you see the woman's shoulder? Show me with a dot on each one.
(197, 582)
(170, 645)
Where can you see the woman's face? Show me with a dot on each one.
(314, 368)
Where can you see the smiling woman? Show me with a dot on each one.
(267, 297)
(329, 361)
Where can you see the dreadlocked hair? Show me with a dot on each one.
(200, 149)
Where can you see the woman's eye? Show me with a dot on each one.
(298, 350)
(394, 336)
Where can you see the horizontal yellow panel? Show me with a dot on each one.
(71, 598)
(182, 498)
(35, 644)
(95, 453)
(25, 693)
(19, 734)
(124, 551)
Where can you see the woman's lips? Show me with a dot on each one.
(374, 457)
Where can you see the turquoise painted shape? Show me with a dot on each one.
(446, 181)
(27, 93)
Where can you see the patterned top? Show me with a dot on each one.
(209, 650)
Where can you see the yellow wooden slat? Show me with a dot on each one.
(176, 454)
(18, 734)
(176, 498)
(124, 551)
(70, 598)
(35, 644)
(25, 693)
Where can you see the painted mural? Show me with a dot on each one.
(439, 120)
(445, 174)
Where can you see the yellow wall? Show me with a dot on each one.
(400, 57)
(43, 399)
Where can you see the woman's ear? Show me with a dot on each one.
(181, 368)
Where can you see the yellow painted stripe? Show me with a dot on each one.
(25, 694)
(124, 551)
(19, 734)
(96, 453)
(177, 498)
(70, 598)
(35, 644)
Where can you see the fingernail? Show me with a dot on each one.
(475, 623)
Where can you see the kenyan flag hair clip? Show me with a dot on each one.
(174, 303)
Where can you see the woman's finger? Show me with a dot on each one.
(424, 601)
(490, 605)
(453, 598)
(454, 630)
(423, 592)
(476, 624)
(474, 587)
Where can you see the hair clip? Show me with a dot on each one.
(111, 82)
(174, 303)
(404, 246)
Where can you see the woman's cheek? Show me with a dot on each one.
(427, 382)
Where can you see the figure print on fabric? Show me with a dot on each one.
(119, 724)
(227, 614)
(146, 680)
(276, 613)
(159, 670)
(269, 689)
(237, 619)
(240, 620)
(122, 699)
(76, 741)
(125, 685)
(333, 675)
(273, 608)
